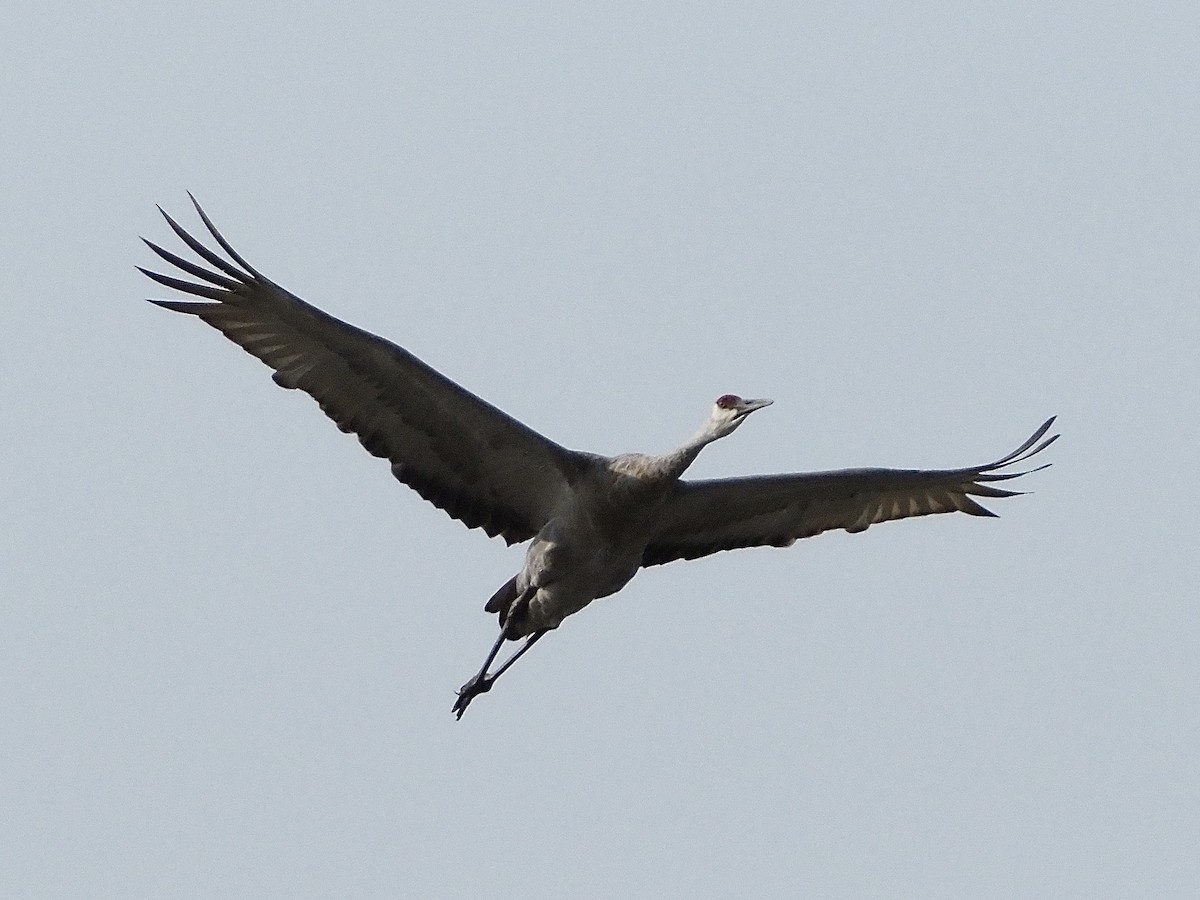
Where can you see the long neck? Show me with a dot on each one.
(674, 464)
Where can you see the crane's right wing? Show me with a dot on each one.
(703, 517)
(460, 453)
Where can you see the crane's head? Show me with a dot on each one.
(730, 411)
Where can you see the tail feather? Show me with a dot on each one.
(512, 606)
(503, 598)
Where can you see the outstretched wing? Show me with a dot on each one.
(460, 453)
(703, 517)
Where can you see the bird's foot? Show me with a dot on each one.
(480, 684)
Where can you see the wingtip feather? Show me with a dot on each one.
(220, 239)
(193, 307)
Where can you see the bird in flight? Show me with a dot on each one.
(591, 521)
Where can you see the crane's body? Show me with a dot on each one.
(596, 539)
(591, 521)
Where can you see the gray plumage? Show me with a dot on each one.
(593, 521)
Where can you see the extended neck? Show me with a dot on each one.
(677, 462)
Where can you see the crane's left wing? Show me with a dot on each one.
(703, 517)
(460, 453)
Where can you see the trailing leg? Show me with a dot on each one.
(509, 604)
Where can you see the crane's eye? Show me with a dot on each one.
(729, 401)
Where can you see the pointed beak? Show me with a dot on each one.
(749, 406)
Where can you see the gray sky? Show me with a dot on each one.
(229, 640)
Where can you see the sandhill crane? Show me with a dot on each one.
(592, 521)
